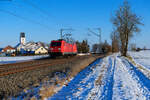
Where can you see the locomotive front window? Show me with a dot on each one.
(56, 44)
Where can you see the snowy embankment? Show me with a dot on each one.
(111, 78)
(81, 84)
(7, 60)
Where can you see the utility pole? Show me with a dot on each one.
(98, 35)
(99, 29)
(61, 32)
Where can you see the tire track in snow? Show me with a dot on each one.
(81, 85)
(95, 93)
(108, 81)
(139, 77)
(125, 86)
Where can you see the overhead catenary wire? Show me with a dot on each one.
(42, 11)
(90, 37)
(93, 32)
(36, 7)
(96, 34)
(24, 18)
(19, 5)
(27, 19)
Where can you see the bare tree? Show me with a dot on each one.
(115, 41)
(106, 48)
(126, 24)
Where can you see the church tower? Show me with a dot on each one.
(22, 38)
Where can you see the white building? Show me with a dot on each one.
(37, 47)
(22, 38)
(41, 50)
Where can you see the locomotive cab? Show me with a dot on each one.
(55, 48)
(61, 48)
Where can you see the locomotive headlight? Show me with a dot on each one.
(59, 48)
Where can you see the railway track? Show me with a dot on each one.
(31, 65)
(17, 77)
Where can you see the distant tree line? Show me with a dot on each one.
(133, 47)
(101, 48)
(83, 46)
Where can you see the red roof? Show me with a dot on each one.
(8, 48)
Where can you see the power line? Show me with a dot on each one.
(23, 18)
(19, 5)
(98, 35)
(16, 5)
(29, 20)
(93, 32)
(5, 0)
(41, 10)
(36, 7)
(45, 13)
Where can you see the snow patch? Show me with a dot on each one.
(7, 60)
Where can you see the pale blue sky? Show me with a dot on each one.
(76, 14)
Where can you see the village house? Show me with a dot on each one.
(41, 50)
(8, 50)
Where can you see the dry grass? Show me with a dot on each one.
(80, 66)
(47, 91)
(131, 60)
(134, 63)
(33, 98)
(99, 80)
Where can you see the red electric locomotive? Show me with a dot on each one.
(62, 48)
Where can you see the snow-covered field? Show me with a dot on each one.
(6, 60)
(142, 58)
(110, 78)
